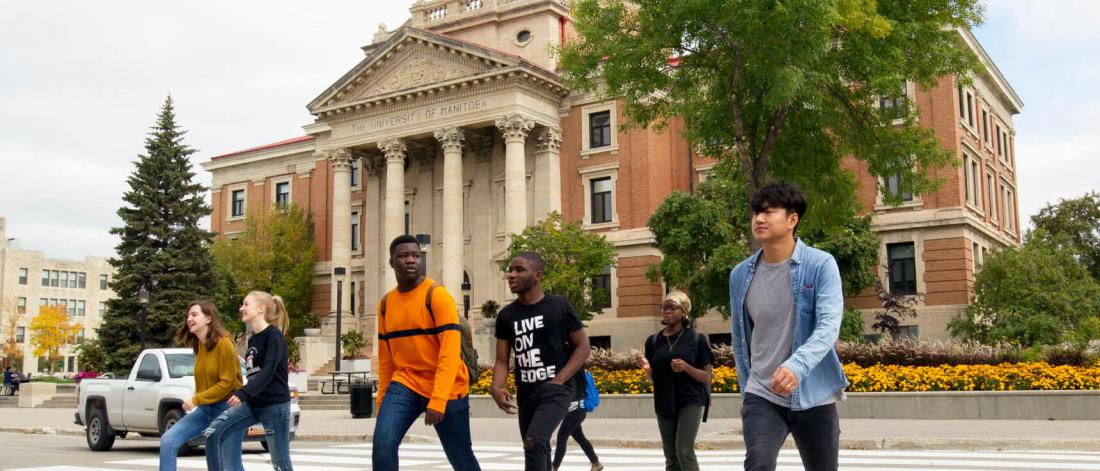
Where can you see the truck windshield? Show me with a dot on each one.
(180, 364)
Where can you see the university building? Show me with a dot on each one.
(30, 281)
(456, 127)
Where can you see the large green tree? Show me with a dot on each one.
(573, 258)
(1074, 225)
(1034, 295)
(162, 246)
(276, 253)
(783, 89)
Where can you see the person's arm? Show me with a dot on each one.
(702, 353)
(643, 361)
(579, 340)
(829, 311)
(385, 357)
(736, 318)
(259, 383)
(450, 348)
(504, 399)
(228, 368)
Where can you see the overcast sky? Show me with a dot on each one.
(81, 82)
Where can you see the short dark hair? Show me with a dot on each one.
(402, 239)
(779, 194)
(534, 259)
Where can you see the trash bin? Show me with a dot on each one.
(362, 400)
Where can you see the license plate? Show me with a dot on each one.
(256, 431)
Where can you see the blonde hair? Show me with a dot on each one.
(274, 310)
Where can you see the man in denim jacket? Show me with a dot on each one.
(787, 305)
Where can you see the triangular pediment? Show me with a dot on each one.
(411, 59)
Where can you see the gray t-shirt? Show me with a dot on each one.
(771, 310)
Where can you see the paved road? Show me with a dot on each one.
(66, 453)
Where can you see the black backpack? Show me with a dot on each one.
(469, 353)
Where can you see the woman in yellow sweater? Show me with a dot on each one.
(217, 377)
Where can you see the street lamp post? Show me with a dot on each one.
(338, 274)
(143, 299)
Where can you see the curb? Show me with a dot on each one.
(900, 444)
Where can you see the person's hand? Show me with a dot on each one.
(783, 381)
(679, 365)
(644, 364)
(233, 401)
(432, 417)
(188, 405)
(505, 401)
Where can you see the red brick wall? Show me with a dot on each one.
(946, 271)
(637, 296)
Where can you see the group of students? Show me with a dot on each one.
(224, 406)
(786, 306)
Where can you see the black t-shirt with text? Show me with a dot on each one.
(539, 336)
(671, 390)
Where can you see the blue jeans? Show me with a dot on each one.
(400, 408)
(191, 426)
(235, 421)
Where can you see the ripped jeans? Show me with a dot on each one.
(235, 421)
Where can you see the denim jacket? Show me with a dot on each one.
(819, 307)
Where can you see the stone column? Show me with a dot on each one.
(514, 127)
(547, 172)
(451, 139)
(340, 160)
(394, 150)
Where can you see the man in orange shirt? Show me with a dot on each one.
(420, 364)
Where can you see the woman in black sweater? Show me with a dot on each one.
(678, 361)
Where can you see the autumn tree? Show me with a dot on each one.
(10, 349)
(276, 253)
(573, 258)
(785, 90)
(51, 331)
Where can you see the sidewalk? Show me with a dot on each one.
(871, 434)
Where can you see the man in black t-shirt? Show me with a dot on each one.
(550, 345)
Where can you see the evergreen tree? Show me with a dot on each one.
(161, 248)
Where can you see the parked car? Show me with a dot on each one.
(150, 400)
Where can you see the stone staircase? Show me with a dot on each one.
(324, 402)
(9, 401)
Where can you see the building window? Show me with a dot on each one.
(21, 305)
(102, 309)
(20, 334)
(72, 308)
(991, 194)
(893, 187)
(355, 231)
(968, 191)
(408, 216)
(23, 276)
(902, 268)
(1009, 207)
(82, 280)
(893, 105)
(909, 332)
(600, 189)
(43, 302)
(969, 109)
(985, 126)
(237, 208)
(102, 282)
(975, 251)
(602, 284)
(54, 277)
(65, 279)
(600, 341)
(352, 307)
(45, 278)
(599, 129)
(976, 176)
(80, 305)
(355, 172)
(282, 194)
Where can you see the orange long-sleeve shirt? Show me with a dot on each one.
(421, 354)
(217, 373)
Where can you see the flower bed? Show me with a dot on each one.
(880, 378)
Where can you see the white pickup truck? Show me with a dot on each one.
(150, 400)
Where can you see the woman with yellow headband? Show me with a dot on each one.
(678, 361)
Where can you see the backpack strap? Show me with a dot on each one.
(428, 301)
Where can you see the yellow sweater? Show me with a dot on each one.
(422, 355)
(217, 373)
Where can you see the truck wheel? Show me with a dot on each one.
(98, 432)
(170, 418)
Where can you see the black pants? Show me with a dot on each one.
(816, 432)
(571, 427)
(539, 415)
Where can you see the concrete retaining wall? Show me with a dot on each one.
(1015, 405)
